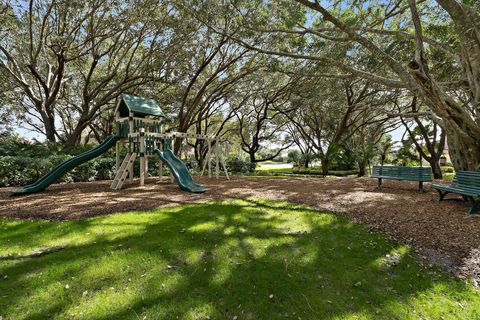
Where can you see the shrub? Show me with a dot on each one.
(313, 171)
(105, 168)
(447, 169)
(343, 173)
(191, 164)
(11, 172)
(84, 172)
(19, 171)
(236, 165)
(14, 145)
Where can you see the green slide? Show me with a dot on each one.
(179, 171)
(42, 183)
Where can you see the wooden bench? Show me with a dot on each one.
(466, 184)
(420, 174)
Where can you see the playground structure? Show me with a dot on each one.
(139, 122)
(140, 127)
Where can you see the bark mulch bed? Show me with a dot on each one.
(440, 232)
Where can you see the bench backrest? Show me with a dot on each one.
(468, 179)
(414, 173)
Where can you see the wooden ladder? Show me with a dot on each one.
(122, 173)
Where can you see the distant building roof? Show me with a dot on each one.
(142, 106)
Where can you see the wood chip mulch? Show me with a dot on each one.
(440, 232)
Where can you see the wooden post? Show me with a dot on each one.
(172, 179)
(142, 156)
(146, 166)
(160, 170)
(130, 131)
(117, 156)
(209, 155)
(160, 164)
(223, 162)
(217, 160)
(204, 166)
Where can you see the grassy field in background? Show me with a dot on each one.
(248, 259)
(314, 172)
(310, 172)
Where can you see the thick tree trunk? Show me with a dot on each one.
(437, 171)
(50, 131)
(362, 165)
(177, 144)
(306, 163)
(464, 151)
(252, 157)
(325, 166)
(73, 139)
(49, 125)
(463, 130)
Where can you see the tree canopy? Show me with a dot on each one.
(326, 77)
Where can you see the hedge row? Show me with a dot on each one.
(20, 171)
(318, 171)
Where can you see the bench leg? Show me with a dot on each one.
(441, 194)
(473, 205)
(420, 187)
(379, 187)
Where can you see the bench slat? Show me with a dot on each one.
(421, 174)
(460, 191)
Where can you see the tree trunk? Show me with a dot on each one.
(464, 151)
(74, 138)
(463, 130)
(49, 126)
(306, 163)
(437, 171)
(362, 164)
(252, 157)
(50, 131)
(325, 166)
(383, 157)
(177, 144)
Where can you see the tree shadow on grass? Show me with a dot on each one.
(250, 259)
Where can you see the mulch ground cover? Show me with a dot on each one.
(441, 233)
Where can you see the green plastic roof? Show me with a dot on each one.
(143, 106)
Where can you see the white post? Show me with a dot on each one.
(160, 164)
(142, 156)
(209, 155)
(223, 162)
(217, 160)
(160, 170)
(117, 156)
(204, 163)
(172, 147)
(130, 131)
(146, 166)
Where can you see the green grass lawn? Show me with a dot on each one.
(273, 170)
(311, 172)
(247, 259)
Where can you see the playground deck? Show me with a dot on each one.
(440, 232)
